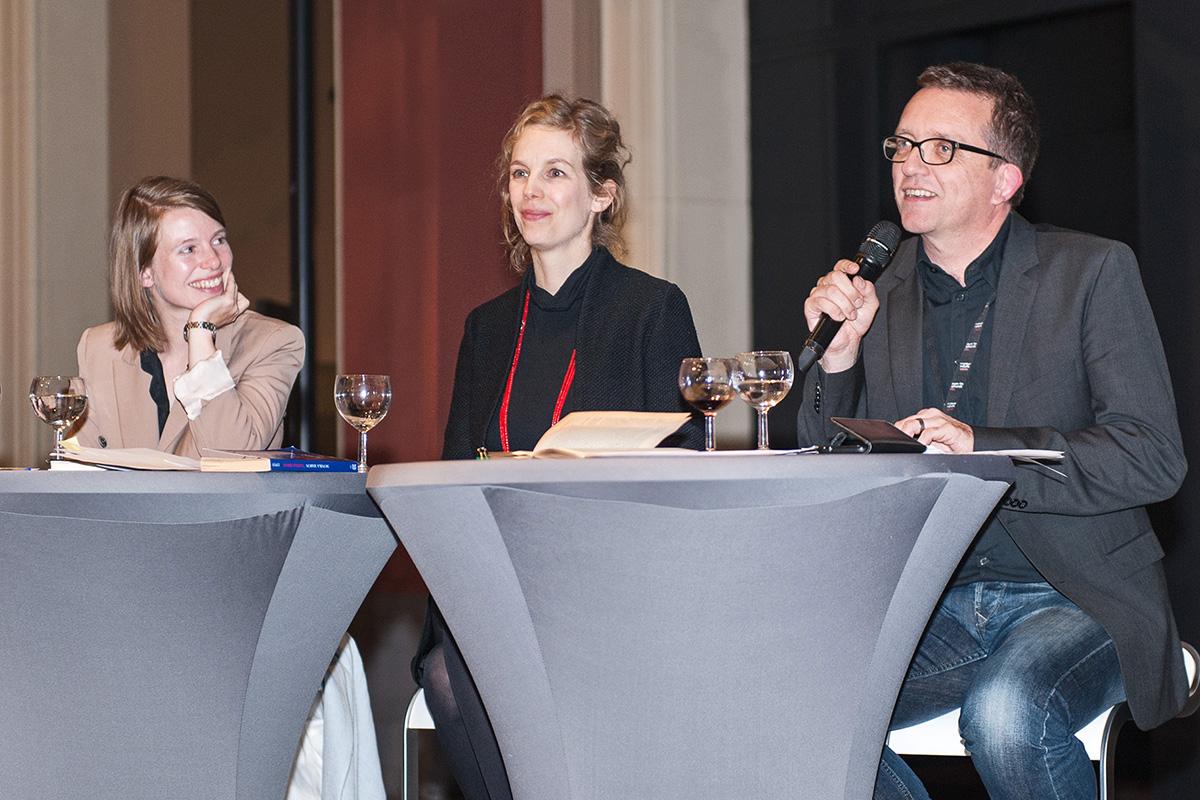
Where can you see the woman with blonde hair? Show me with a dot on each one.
(580, 332)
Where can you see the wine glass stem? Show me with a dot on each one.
(763, 441)
(362, 451)
(57, 453)
(710, 437)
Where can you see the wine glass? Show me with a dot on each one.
(362, 400)
(763, 378)
(707, 384)
(58, 400)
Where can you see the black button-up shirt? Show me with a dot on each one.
(152, 366)
(951, 310)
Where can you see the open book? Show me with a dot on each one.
(587, 434)
(128, 457)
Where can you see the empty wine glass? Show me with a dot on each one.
(362, 400)
(707, 384)
(58, 400)
(763, 378)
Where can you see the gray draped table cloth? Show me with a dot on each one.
(163, 635)
(690, 626)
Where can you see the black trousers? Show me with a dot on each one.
(463, 728)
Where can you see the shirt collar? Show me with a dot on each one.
(982, 273)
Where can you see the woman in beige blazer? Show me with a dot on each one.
(184, 366)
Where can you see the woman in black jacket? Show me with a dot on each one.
(580, 332)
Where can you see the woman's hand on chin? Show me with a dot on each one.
(222, 309)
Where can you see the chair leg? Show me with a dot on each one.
(1193, 700)
(410, 753)
(1108, 750)
(410, 788)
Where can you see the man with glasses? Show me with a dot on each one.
(988, 332)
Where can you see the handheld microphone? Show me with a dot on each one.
(873, 255)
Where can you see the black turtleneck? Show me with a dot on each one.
(545, 355)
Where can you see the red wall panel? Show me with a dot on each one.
(428, 90)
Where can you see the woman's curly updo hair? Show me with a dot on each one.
(598, 134)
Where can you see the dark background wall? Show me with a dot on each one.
(1116, 84)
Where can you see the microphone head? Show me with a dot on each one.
(876, 250)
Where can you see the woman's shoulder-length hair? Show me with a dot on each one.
(132, 245)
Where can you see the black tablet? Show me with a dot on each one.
(875, 436)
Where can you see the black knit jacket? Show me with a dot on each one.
(634, 329)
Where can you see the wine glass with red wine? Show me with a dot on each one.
(707, 384)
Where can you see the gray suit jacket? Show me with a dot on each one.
(1076, 365)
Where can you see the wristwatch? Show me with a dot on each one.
(205, 324)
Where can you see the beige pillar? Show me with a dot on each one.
(72, 176)
(676, 73)
(18, 242)
(53, 200)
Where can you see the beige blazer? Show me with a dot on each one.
(263, 356)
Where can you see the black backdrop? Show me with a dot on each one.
(1117, 88)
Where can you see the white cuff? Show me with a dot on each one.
(205, 380)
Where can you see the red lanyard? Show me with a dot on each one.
(512, 372)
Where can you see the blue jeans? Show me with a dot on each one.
(1029, 669)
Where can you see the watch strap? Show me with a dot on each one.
(206, 325)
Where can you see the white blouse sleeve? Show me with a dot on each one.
(205, 380)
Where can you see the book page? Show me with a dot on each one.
(1033, 455)
(611, 430)
(559, 452)
(129, 457)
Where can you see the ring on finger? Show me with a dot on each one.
(921, 422)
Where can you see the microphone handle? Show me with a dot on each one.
(824, 331)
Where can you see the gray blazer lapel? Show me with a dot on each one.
(1010, 323)
(904, 317)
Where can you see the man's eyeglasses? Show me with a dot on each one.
(940, 151)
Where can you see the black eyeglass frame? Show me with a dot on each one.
(955, 147)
